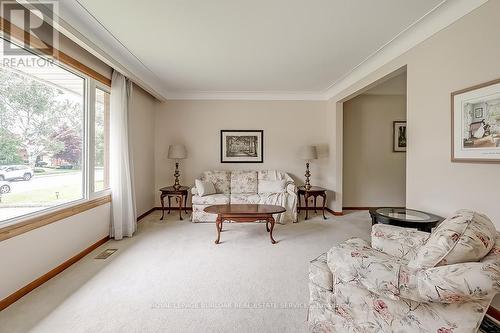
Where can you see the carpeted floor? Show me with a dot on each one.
(171, 277)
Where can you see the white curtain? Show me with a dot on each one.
(123, 214)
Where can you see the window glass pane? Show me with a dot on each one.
(101, 162)
(41, 134)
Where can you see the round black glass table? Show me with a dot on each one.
(402, 217)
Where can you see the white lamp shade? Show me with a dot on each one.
(309, 153)
(177, 152)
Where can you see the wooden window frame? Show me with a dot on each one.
(29, 222)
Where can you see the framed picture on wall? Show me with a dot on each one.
(475, 123)
(241, 146)
(399, 136)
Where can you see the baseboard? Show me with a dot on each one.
(494, 313)
(319, 209)
(140, 217)
(47, 276)
(357, 208)
(175, 208)
(334, 212)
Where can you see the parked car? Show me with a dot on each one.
(4, 188)
(11, 172)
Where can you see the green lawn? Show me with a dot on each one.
(52, 171)
(44, 196)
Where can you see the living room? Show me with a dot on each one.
(119, 208)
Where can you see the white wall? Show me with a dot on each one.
(28, 256)
(287, 126)
(373, 175)
(444, 63)
(143, 146)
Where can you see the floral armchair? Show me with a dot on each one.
(407, 280)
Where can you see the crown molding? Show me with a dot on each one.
(434, 21)
(248, 95)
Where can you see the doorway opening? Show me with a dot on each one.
(374, 146)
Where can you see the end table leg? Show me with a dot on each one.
(315, 211)
(298, 203)
(218, 225)
(267, 225)
(162, 199)
(307, 206)
(324, 202)
(185, 204)
(271, 220)
(180, 208)
(168, 197)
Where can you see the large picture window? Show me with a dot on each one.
(44, 135)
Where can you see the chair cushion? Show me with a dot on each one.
(243, 181)
(214, 199)
(204, 187)
(466, 236)
(220, 179)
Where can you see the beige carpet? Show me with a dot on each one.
(171, 277)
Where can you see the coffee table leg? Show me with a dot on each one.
(267, 225)
(271, 220)
(218, 225)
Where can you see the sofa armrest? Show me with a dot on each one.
(355, 262)
(291, 188)
(194, 190)
(399, 242)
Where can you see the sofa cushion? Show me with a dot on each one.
(214, 199)
(220, 179)
(204, 187)
(466, 236)
(272, 186)
(243, 181)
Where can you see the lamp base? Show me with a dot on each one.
(177, 174)
(307, 185)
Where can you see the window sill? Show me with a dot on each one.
(51, 217)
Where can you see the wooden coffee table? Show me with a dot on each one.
(245, 213)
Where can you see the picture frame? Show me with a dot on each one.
(399, 136)
(242, 146)
(475, 123)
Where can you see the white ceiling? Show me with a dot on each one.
(291, 46)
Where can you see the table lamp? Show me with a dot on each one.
(308, 153)
(177, 152)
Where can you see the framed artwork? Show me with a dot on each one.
(475, 124)
(399, 136)
(241, 146)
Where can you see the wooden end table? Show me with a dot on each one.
(402, 217)
(179, 194)
(245, 213)
(314, 191)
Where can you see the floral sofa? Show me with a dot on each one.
(407, 280)
(242, 187)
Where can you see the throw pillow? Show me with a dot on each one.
(204, 188)
(272, 186)
(466, 236)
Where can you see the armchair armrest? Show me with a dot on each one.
(399, 242)
(355, 262)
